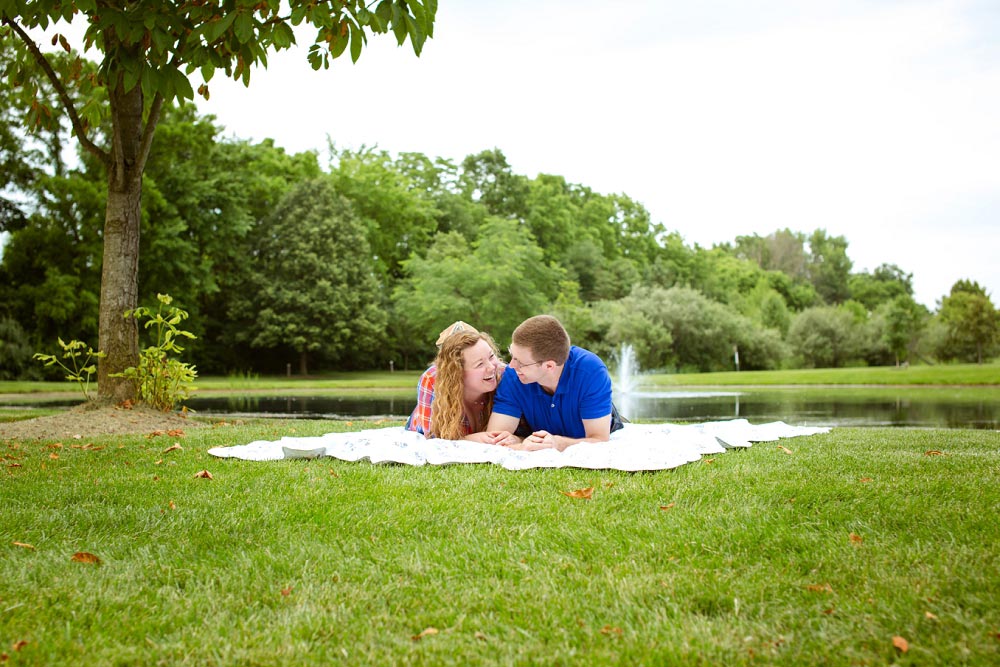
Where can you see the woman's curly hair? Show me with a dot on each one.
(449, 386)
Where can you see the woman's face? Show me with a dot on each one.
(480, 365)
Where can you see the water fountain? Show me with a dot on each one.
(632, 402)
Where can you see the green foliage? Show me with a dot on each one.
(162, 380)
(829, 267)
(881, 286)
(972, 323)
(15, 350)
(312, 289)
(493, 283)
(79, 368)
(825, 337)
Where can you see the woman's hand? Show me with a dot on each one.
(494, 438)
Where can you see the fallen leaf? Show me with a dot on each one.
(480, 636)
(54, 456)
(427, 632)
(204, 473)
(91, 447)
(865, 480)
(608, 630)
(19, 645)
(580, 493)
(856, 539)
(157, 462)
(666, 507)
(171, 505)
(55, 445)
(176, 433)
(829, 611)
(23, 545)
(173, 448)
(784, 449)
(14, 465)
(708, 461)
(286, 591)
(900, 643)
(155, 433)
(84, 557)
(933, 452)
(929, 615)
(332, 472)
(820, 588)
(126, 404)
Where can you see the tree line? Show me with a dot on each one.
(357, 261)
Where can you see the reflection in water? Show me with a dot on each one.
(953, 408)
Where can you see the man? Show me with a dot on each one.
(562, 391)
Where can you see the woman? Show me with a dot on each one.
(455, 395)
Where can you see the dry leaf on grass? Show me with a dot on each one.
(933, 452)
(286, 591)
(930, 616)
(173, 448)
(901, 644)
(24, 545)
(865, 480)
(611, 630)
(668, 506)
(820, 588)
(54, 456)
(84, 557)
(784, 449)
(856, 539)
(19, 645)
(427, 632)
(204, 474)
(586, 494)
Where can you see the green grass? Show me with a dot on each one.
(955, 374)
(329, 562)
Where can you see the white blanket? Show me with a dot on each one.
(635, 447)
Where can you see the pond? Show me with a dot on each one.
(975, 408)
(942, 408)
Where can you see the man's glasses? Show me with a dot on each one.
(514, 361)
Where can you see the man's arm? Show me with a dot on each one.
(597, 430)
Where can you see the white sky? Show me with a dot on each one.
(878, 120)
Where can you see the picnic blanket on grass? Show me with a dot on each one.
(634, 447)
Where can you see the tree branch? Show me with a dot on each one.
(148, 131)
(61, 91)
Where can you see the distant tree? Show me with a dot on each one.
(828, 266)
(149, 49)
(883, 285)
(904, 320)
(312, 289)
(973, 323)
(400, 216)
(487, 178)
(825, 337)
(493, 283)
(16, 352)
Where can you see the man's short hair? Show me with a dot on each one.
(545, 336)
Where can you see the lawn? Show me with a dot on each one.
(824, 555)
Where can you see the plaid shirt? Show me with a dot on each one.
(420, 420)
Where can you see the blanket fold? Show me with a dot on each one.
(633, 448)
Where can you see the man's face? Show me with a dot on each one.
(528, 368)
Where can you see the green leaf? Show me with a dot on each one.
(357, 41)
(283, 36)
(244, 28)
(212, 30)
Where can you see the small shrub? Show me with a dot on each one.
(77, 370)
(162, 381)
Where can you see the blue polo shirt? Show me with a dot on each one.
(583, 392)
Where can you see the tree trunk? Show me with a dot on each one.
(303, 363)
(118, 335)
